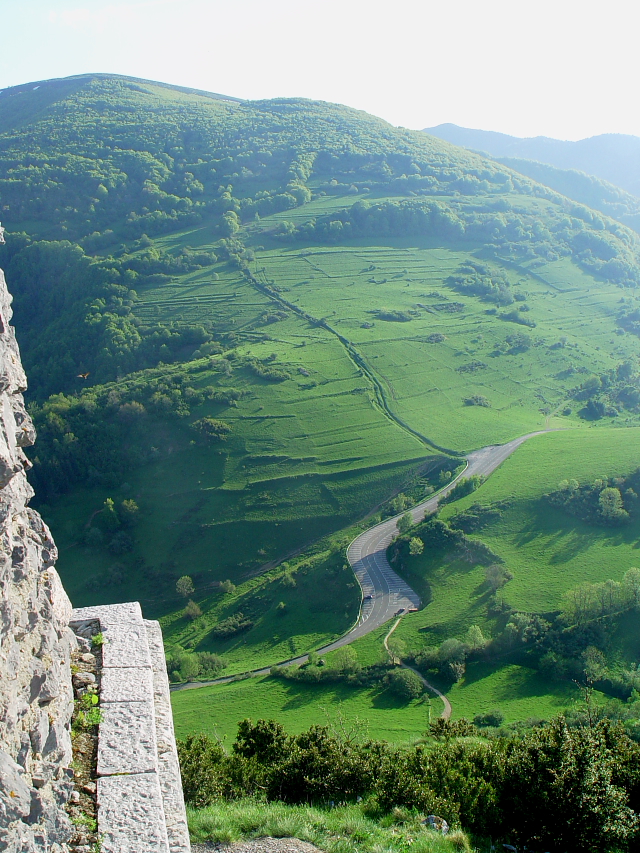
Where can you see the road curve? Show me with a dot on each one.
(384, 592)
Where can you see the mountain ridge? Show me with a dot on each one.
(98, 75)
(614, 157)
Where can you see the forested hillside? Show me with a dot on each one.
(249, 324)
(585, 189)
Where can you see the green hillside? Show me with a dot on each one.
(585, 189)
(247, 325)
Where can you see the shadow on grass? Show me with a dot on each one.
(517, 682)
(300, 695)
(384, 700)
(436, 567)
(567, 537)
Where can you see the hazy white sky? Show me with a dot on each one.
(562, 68)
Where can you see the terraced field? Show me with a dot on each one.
(427, 379)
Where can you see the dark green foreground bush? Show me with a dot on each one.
(553, 788)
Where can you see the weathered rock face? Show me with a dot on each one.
(36, 697)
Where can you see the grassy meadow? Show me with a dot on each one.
(373, 712)
(309, 456)
(426, 381)
(548, 551)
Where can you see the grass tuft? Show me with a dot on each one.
(343, 829)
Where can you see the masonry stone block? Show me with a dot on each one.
(130, 814)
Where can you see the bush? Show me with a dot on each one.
(184, 586)
(405, 684)
(405, 522)
(465, 486)
(185, 666)
(608, 502)
(202, 769)
(232, 625)
(477, 400)
(490, 718)
(210, 664)
(121, 543)
(552, 787)
(416, 546)
(211, 430)
(192, 610)
(182, 665)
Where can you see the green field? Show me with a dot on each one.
(426, 382)
(314, 453)
(217, 710)
(549, 551)
(519, 692)
(289, 476)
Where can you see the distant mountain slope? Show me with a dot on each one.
(585, 189)
(614, 157)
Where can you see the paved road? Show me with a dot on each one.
(384, 592)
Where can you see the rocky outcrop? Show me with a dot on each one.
(36, 697)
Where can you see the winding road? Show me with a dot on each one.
(385, 594)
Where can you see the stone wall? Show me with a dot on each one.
(36, 697)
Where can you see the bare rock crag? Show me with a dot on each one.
(36, 696)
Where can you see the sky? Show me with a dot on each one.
(564, 69)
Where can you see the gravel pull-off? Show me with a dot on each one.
(259, 845)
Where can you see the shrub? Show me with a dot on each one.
(210, 664)
(493, 718)
(552, 787)
(416, 546)
(184, 586)
(192, 610)
(405, 522)
(182, 665)
(121, 543)
(405, 684)
(232, 625)
(463, 487)
(211, 430)
(477, 400)
(201, 768)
